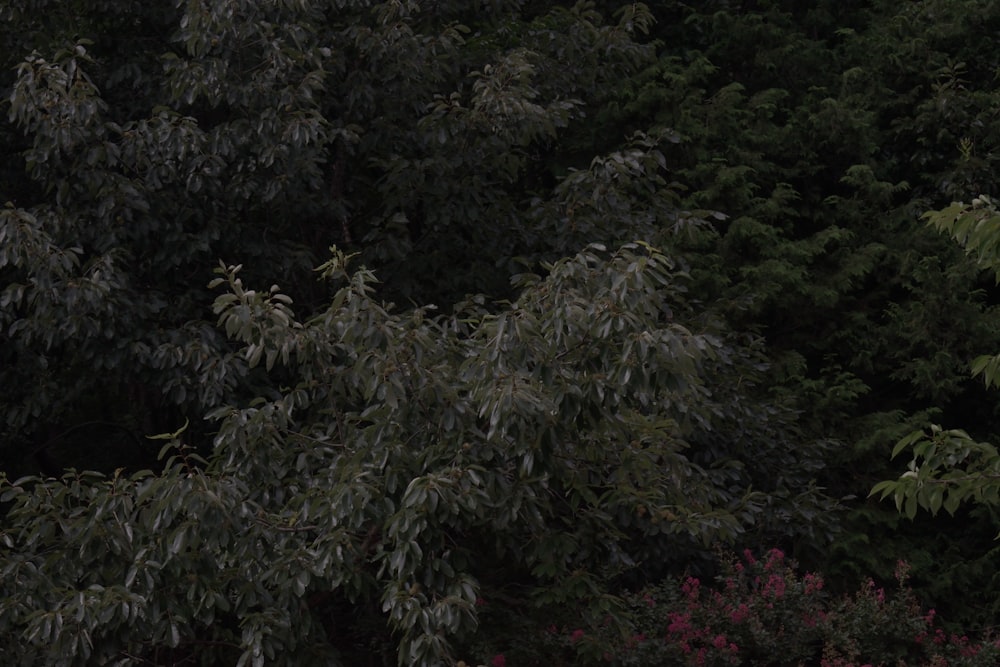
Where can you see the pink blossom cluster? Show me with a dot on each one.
(761, 608)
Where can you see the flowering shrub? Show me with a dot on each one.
(763, 613)
(758, 612)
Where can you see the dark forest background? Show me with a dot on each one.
(434, 302)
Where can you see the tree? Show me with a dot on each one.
(822, 132)
(153, 140)
(949, 467)
(409, 465)
(365, 472)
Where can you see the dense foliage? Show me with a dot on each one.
(948, 467)
(825, 132)
(409, 464)
(527, 303)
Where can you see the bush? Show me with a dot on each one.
(763, 613)
(760, 612)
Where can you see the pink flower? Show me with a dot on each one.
(719, 641)
(679, 622)
(498, 660)
(775, 586)
(813, 582)
(740, 613)
(691, 588)
(577, 635)
(969, 651)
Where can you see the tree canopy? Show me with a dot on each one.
(325, 324)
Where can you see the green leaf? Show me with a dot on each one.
(170, 436)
